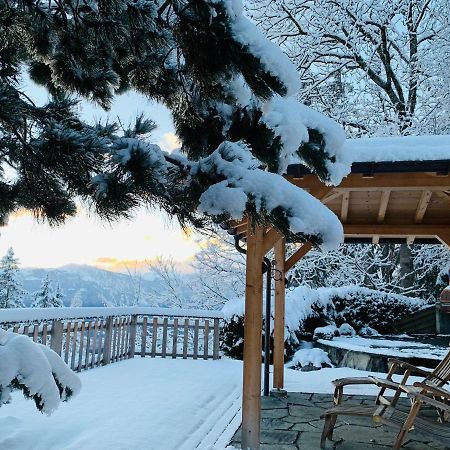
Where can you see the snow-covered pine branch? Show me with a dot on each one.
(36, 370)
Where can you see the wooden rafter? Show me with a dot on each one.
(295, 257)
(344, 206)
(422, 206)
(395, 229)
(384, 201)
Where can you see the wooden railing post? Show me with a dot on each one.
(216, 337)
(57, 336)
(108, 340)
(133, 326)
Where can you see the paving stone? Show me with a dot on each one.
(305, 414)
(297, 399)
(274, 424)
(278, 447)
(272, 403)
(311, 441)
(278, 437)
(345, 445)
(274, 413)
(304, 427)
(362, 434)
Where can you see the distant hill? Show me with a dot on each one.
(89, 286)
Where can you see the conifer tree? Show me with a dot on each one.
(231, 93)
(59, 296)
(46, 297)
(11, 292)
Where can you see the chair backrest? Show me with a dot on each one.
(441, 374)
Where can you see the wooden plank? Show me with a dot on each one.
(108, 344)
(295, 257)
(216, 342)
(124, 341)
(67, 346)
(206, 340)
(154, 335)
(88, 345)
(384, 201)
(422, 206)
(35, 332)
(100, 340)
(144, 336)
(114, 341)
(196, 323)
(330, 197)
(127, 342)
(185, 338)
(44, 334)
(270, 238)
(279, 319)
(80, 351)
(164, 338)
(344, 206)
(94, 342)
(56, 336)
(74, 345)
(395, 229)
(174, 338)
(251, 395)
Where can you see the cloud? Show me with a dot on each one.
(169, 142)
(121, 265)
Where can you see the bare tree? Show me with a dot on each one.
(375, 66)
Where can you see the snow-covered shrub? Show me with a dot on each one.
(328, 332)
(368, 332)
(36, 370)
(346, 330)
(313, 357)
(308, 309)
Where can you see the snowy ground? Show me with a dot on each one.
(388, 347)
(150, 404)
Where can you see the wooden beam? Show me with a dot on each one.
(380, 182)
(279, 320)
(443, 195)
(321, 191)
(295, 257)
(384, 201)
(384, 229)
(242, 227)
(270, 238)
(251, 395)
(444, 238)
(422, 206)
(344, 206)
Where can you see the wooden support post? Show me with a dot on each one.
(133, 329)
(107, 343)
(56, 336)
(251, 396)
(278, 330)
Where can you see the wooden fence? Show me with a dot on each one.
(87, 342)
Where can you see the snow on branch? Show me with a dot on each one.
(36, 370)
(244, 186)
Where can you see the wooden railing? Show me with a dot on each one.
(89, 337)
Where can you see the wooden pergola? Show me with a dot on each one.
(395, 202)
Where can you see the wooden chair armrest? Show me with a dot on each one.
(383, 383)
(352, 380)
(406, 366)
(433, 390)
(429, 401)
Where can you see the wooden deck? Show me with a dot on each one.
(293, 422)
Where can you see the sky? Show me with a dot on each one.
(85, 239)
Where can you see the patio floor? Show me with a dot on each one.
(293, 422)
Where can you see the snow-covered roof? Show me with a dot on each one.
(398, 148)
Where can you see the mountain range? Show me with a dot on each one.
(84, 285)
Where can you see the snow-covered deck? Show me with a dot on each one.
(141, 403)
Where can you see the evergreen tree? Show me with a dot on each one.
(59, 296)
(11, 292)
(230, 91)
(46, 297)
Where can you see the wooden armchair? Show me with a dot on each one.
(435, 378)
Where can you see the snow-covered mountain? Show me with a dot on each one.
(85, 285)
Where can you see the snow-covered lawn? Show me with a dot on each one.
(150, 404)
(138, 404)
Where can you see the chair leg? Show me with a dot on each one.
(407, 425)
(327, 429)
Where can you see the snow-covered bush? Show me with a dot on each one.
(346, 330)
(352, 307)
(368, 332)
(328, 332)
(36, 370)
(310, 357)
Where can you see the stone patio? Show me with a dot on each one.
(293, 422)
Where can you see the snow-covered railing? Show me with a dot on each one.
(89, 337)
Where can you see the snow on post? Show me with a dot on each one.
(36, 370)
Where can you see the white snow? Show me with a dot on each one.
(291, 120)
(398, 148)
(268, 191)
(388, 347)
(36, 367)
(142, 403)
(314, 356)
(27, 314)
